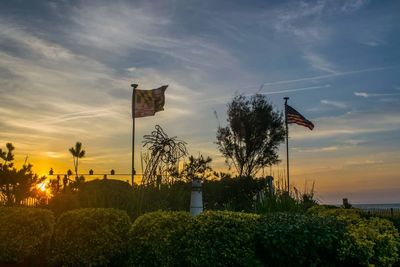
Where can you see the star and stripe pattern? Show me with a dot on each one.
(293, 116)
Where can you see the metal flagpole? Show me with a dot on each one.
(287, 145)
(134, 86)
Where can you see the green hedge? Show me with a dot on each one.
(155, 239)
(287, 239)
(91, 237)
(367, 241)
(24, 234)
(218, 238)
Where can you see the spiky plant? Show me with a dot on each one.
(77, 152)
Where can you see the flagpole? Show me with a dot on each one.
(134, 86)
(287, 145)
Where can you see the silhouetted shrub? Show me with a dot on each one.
(372, 241)
(287, 239)
(235, 194)
(218, 238)
(24, 234)
(108, 193)
(91, 237)
(155, 239)
(64, 202)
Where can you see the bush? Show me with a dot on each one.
(108, 193)
(24, 234)
(367, 241)
(287, 239)
(234, 194)
(91, 237)
(64, 202)
(279, 202)
(155, 239)
(222, 239)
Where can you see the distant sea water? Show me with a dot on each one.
(377, 206)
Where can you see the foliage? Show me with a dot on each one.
(64, 202)
(156, 239)
(282, 201)
(24, 234)
(287, 239)
(163, 158)
(252, 137)
(235, 194)
(367, 241)
(217, 238)
(16, 185)
(173, 197)
(91, 237)
(197, 168)
(77, 152)
(107, 193)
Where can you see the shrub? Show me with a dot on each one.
(91, 237)
(222, 239)
(24, 234)
(279, 202)
(367, 241)
(287, 239)
(235, 194)
(64, 202)
(108, 193)
(155, 239)
(370, 241)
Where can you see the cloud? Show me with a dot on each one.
(302, 13)
(353, 5)
(321, 77)
(316, 150)
(336, 104)
(364, 162)
(319, 62)
(362, 94)
(366, 95)
(130, 29)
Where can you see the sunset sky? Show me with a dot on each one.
(66, 69)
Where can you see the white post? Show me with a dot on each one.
(196, 200)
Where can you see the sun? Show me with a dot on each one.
(42, 186)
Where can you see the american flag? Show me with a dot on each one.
(293, 116)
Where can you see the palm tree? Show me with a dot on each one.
(77, 153)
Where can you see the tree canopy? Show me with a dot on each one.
(251, 139)
(16, 185)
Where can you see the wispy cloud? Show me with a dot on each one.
(320, 77)
(353, 5)
(320, 63)
(366, 95)
(336, 104)
(364, 162)
(316, 149)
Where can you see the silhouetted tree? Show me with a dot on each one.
(77, 152)
(16, 185)
(254, 132)
(197, 168)
(164, 153)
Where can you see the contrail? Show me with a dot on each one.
(269, 93)
(328, 76)
(294, 90)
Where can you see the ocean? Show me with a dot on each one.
(377, 206)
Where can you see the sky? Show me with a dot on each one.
(66, 69)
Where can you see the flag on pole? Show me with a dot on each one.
(293, 116)
(148, 102)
